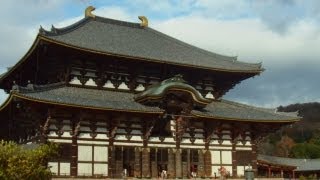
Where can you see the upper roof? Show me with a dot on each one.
(137, 41)
(123, 101)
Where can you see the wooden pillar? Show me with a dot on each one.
(207, 163)
(293, 174)
(234, 160)
(201, 172)
(74, 151)
(112, 162)
(269, 172)
(171, 164)
(145, 163)
(254, 158)
(74, 157)
(178, 163)
(137, 162)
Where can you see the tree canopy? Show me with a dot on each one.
(18, 163)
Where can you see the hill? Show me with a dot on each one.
(299, 139)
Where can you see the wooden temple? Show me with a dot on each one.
(124, 99)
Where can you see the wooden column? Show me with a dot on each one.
(178, 163)
(234, 160)
(207, 164)
(293, 175)
(74, 157)
(137, 162)
(111, 162)
(145, 163)
(113, 126)
(269, 172)
(201, 172)
(171, 164)
(254, 157)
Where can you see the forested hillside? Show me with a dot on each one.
(300, 140)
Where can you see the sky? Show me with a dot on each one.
(282, 34)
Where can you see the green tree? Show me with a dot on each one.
(18, 163)
(305, 150)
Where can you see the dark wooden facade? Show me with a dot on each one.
(84, 99)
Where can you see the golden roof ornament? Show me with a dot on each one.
(88, 12)
(144, 21)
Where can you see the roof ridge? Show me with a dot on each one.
(59, 31)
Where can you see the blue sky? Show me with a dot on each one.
(282, 34)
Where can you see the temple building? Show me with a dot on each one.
(123, 99)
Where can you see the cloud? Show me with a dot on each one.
(250, 39)
(280, 86)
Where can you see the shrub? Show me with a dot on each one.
(17, 162)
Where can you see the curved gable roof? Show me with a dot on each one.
(131, 40)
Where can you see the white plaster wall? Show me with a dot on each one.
(244, 148)
(108, 84)
(215, 169)
(101, 153)
(120, 137)
(75, 80)
(136, 138)
(199, 141)
(214, 142)
(84, 135)
(198, 135)
(101, 129)
(52, 134)
(60, 140)
(154, 139)
(93, 142)
(100, 169)
(226, 157)
(170, 140)
(162, 145)
(66, 134)
(84, 169)
(123, 86)
(220, 147)
(240, 170)
(101, 136)
(53, 167)
(185, 140)
(128, 144)
(90, 82)
(192, 146)
(84, 153)
(140, 88)
(65, 169)
(215, 157)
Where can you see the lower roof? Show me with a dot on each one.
(124, 101)
(300, 164)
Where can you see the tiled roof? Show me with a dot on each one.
(131, 40)
(101, 99)
(300, 164)
(124, 101)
